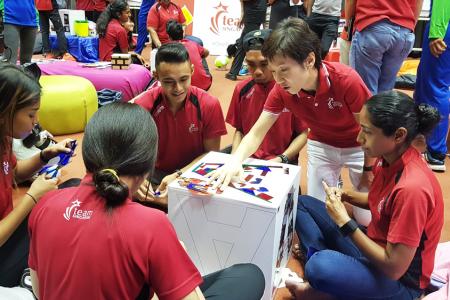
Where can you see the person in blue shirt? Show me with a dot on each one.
(142, 25)
(20, 20)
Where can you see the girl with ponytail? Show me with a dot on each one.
(113, 35)
(93, 242)
(394, 256)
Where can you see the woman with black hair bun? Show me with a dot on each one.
(393, 258)
(113, 35)
(93, 242)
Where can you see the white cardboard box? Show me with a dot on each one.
(220, 230)
(68, 18)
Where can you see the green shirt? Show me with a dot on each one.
(440, 17)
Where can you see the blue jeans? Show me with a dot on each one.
(433, 88)
(335, 265)
(378, 52)
(142, 25)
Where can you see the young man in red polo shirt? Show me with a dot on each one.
(157, 18)
(190, 121)
(383, 38)
(287, 136)
(326, 96)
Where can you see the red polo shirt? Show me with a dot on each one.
(80, 250)
(100, 5)
(115, 38)
(407, 207)
(87, 5)
(245, 108)
(328, 114)
(181, 135)
(9, 163)
(159, 15)
(400, 12)
(199, 78)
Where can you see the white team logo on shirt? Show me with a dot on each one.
(6, 167)
(193, 128)
(73, 212)
(159, 110)
(333, 103)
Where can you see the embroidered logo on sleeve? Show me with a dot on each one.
(6, 167)
(193, 128)
(73, 212)
(333, 103)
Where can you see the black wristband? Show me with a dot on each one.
(367, 168)
(32, 197)
(42, 158)
(284, 158)
(348, 228)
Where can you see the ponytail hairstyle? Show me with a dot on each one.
(120, 139)
(18, 89)
(174, 30)
(392, 110)
(112, 11)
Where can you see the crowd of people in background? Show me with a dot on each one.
(346, 115)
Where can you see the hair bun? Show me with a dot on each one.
(109, 186)
(428, 117)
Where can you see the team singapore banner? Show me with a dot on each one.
(216, 23)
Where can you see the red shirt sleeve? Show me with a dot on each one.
(181, 18)
(410, 208)
(274, 103)
(153, 18)
(177, 275)
(234, 114)
(146, 99)
(214, 124)
(201, 50)
(298, 125)
(355, 91)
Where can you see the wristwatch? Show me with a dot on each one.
(348, 228)
(367, 168)
(284, 158)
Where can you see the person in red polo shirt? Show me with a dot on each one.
(190, 121)
(287, 136)
(383, 38)
(113, 36)
(201, 77)
(395, 258)
(159, 14)
(94, 242)
(88, 6)
(19, 103)
(99, 7)
(327, 97)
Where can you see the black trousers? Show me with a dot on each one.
(240, 53)
(44, 18)
(14, 256)
(281, 10)
(238, 282)
(326, 27)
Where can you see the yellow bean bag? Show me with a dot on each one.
(67, 103)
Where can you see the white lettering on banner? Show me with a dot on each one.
(216, 23)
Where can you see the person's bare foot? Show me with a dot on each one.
(304, 291)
